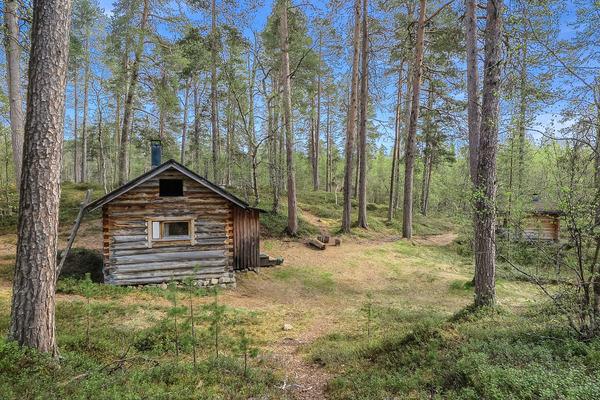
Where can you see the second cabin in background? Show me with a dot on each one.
(171, 224)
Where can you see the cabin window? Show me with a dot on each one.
(176, 229)
(170, 230)
(170, 187)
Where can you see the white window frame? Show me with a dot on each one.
(157, 224)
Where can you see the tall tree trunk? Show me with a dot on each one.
(76, 167)
(292, 227)
(13, 75)
(428, 131)
(214, 117)
(252, 130)
(117, 139)
(351, 123)
(316, 140)
(86, 84)
(411, 139)
(405, 122)
(102, 160)
(128, 107)
(230, 125)
(274, 139)
(186, 99)
(473, 110)
(196, 138)
(329, 164)
(396, 149)
(522, 126)
(485, 203)
(312, 144)
(364, 100)
(34, 286)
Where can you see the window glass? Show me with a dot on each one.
(180, 228)
(155, 230)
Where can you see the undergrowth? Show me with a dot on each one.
(488, 354)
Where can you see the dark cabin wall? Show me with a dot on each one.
(246, 239)
(129, 260)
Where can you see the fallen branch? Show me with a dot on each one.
(73, 234)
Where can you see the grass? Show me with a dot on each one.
(323, 205)
(492, 354)
(131, 352)
(384, 319)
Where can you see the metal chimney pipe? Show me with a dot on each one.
(156, 152)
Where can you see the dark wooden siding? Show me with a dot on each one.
(130, 260)
(246, 238)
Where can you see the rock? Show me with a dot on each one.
(214, 281)
(163, 286)
(287, 327)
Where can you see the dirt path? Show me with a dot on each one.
(304, 381)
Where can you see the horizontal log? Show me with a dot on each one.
(169, 256)
(169, 266)
(316, 244)
(129, 238)
(162, 249)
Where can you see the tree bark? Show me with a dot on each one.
(473, 110)
(214, 117)
(428, 132)
(196, 138)
(76, 168)
(317, 131)
(411, 139)
(364, 100)
(13, 75)
(33, 301)
(186, 99)
(485, 196)
(396, 148)
(292, 227)
(102, 160)
(351, 123)
(329, 161)
(128, 106)
(86, 84)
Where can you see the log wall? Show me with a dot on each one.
(128, 257)
(246, 237)
(541, 227)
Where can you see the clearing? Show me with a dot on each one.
(317, 293)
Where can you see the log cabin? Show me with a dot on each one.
(171, 224)
(542, 221)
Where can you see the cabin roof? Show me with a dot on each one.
(171, 164)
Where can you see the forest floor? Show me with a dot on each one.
(377, 317)
(313, 294)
